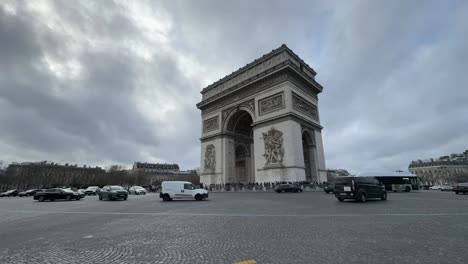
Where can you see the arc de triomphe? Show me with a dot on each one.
(261, 123)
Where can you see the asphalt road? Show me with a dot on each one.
(313, 227)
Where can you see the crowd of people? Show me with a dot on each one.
(255, 186)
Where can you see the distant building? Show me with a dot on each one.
(154, 167)
(442, 170)
(156, 172)
(332, 173)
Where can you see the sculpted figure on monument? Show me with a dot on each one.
(210, 157)
(273, 146)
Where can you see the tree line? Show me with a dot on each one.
(32, 176)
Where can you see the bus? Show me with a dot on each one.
(395, 181)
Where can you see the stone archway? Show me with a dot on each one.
(253, 122)
(239, 129)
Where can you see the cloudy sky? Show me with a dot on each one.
(103, 82)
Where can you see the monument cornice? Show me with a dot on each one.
(287, 72)
(283, 53)
(288, 116)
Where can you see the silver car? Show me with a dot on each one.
(137, 190)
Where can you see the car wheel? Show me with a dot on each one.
(340, 199)
(166, 197)
(198, 197)
(125, 198)
(383, 196)
(327, 192)
(41, 198)
(362, 197)
(456, 192)
(68, 197)
(100, 197)
(407, 189)
(77, 198)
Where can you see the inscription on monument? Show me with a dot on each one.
(211, 124)
(271, 103)
(274, 151)
(304, 106)
(210, 158)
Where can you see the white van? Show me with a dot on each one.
(181, 190)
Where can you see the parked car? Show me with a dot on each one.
(328, 188)
(137, 190)
(181, 190)
(30, 192)
(80, 193)
(446, 188)
(113, 192)
(435, 187)
(460, 188)
(57, 194)
(359, 188)
(287, 188)
(92, 190)
(10, 193)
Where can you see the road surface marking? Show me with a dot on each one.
(247, 262)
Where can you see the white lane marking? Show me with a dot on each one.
(235, 215)
(90, 236)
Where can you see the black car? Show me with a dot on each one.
(359, 188)
(329, 187)
(10, 193)
(287, 188)
(29, 192)
(56, 194)
(113, 192)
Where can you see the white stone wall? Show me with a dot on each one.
(322, 171)
(293, 161)
(208, 177)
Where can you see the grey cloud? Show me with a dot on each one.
(393, 77)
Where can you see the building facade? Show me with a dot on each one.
(442, 170)
(261, 123)
(155, 173)
(154, 167)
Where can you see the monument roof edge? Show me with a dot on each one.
(257, 61)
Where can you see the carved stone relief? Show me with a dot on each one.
(274, 151)
(211, 124)
(304, 106)
(210, 158)
(271, 103)
(249, 104)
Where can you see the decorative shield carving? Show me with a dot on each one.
(210, 158)
(273, 146)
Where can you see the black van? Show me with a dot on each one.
(359, 188)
